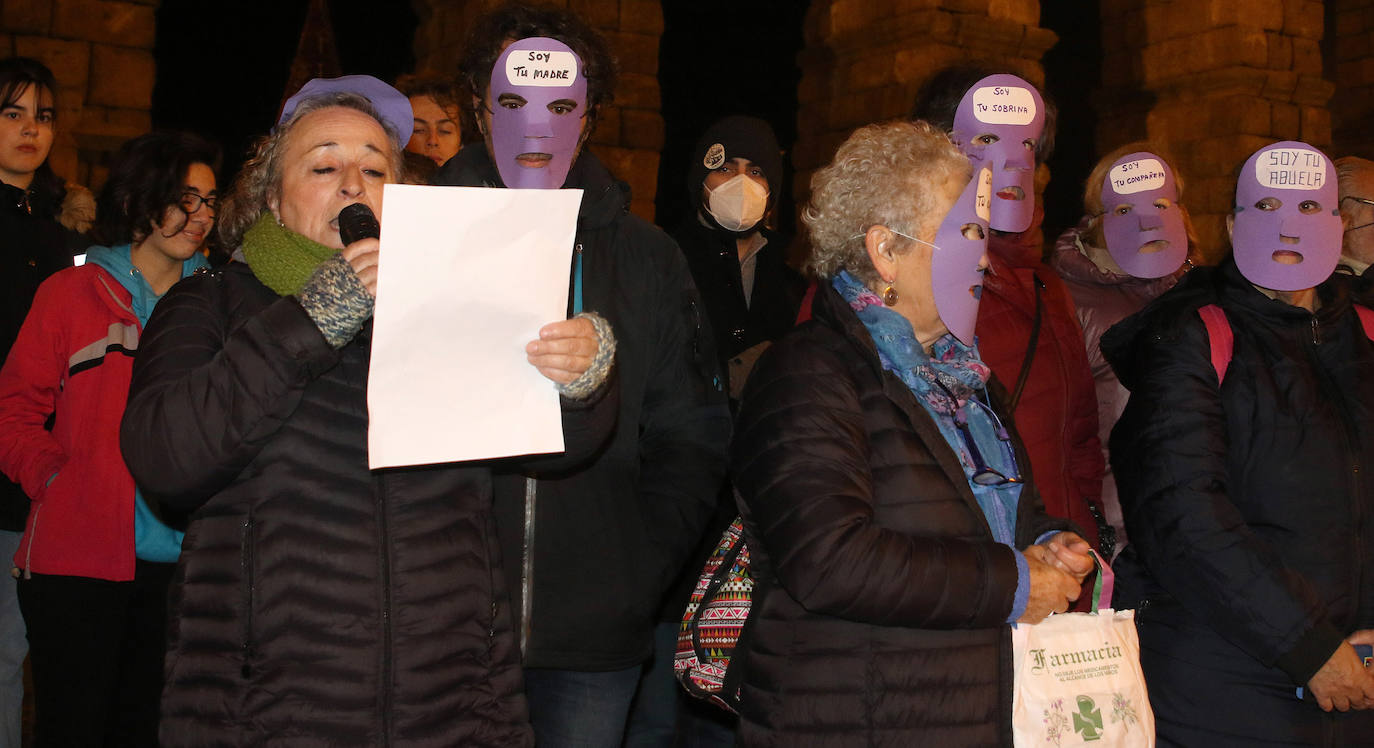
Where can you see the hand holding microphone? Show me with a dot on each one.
(359, 230)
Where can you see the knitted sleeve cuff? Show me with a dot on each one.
(336, 300)
(583, 387)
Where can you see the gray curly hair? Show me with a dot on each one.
(891, 174)
(260, 177)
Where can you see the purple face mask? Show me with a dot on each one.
(1286, 206)
(961, 242)
(538, 102)
(1008, 112)
(1142, 221)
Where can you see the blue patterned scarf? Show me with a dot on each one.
(944, 379)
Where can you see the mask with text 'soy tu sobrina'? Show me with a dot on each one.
(960, 243)
(1142, 222)
(538, 101)
(1287, 232)
(998, 124)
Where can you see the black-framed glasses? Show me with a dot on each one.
(983, 473)
(191, 201)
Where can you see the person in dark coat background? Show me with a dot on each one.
(751, 296)
(590, 553)
(1024, 300)
(318, 602)
(35, 245)
(893, 527)
(1243, 478)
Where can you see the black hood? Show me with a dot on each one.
(736, 136)
(604, 198)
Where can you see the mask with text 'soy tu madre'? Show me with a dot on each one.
(998, 124)
(538, 101)
(1287, 232)
(1142, 222)
(960, 243)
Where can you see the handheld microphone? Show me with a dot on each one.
(356, 222)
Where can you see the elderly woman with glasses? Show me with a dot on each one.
(894, 527)
(318, 602)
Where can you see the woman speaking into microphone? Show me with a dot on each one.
(317, 601)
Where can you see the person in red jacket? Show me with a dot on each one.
(95, 560)
(1027, 328)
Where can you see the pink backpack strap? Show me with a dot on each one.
(1222, 340)
(1366, 319)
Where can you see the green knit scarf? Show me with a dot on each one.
(282, 259)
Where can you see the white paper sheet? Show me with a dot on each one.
(466, 277)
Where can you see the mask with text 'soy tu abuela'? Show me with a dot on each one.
(1287, 231)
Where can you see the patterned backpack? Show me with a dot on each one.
(715, 623)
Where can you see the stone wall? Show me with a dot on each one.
(1350, 65)
(865, 60)
(1213, 81)
(629, 135)
(102, 54)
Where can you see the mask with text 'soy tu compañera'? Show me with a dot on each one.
(546, 75)
(961, 241)
(1142, 222)
(1287, 232)
(1011, 111)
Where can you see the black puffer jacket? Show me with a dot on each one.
(608, 539)
(1248, 507)
(879, 615)
(316, 602)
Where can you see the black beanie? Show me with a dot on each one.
(736, 136)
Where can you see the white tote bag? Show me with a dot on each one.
(1078, 680)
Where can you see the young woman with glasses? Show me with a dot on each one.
(95, 561)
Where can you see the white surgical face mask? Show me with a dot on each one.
(738, 204)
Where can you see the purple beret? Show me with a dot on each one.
(391, 104)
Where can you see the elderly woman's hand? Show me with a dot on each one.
(1070, 553)
(564, 349)
(1051, 589)
(362, 257)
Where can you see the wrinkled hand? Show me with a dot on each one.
(362, 257)
(1070, 553)
(1051, 588)
(564, 349)
(1343, 683)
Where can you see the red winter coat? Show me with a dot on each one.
(1057, 413)
(73, 357)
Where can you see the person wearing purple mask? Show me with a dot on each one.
(592, 553)
(893, 534)
(1239, 460)
(1027, 328)
(1131, 246)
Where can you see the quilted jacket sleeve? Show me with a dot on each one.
(207, 394)
(801, 465)
(1169, 453)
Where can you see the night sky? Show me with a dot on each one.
(222, 69)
